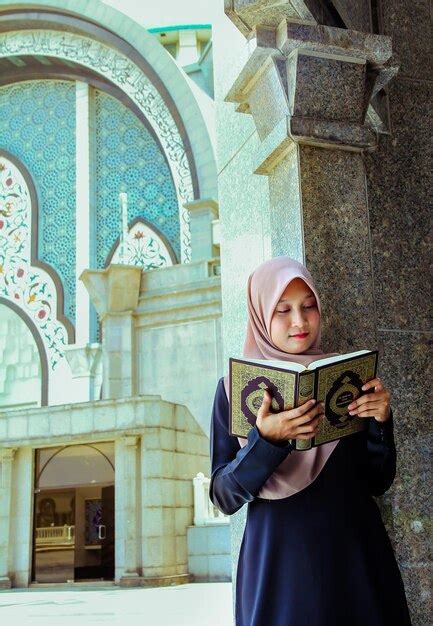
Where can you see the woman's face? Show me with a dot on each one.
(295, 314)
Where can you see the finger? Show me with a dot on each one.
(307, 417)
(302, 410)
(374, 405)
(309, 428)
(370, 413)
(305, 436)
(266, 403)
(368, 397)
(375, 384)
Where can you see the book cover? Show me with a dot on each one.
(336, 384)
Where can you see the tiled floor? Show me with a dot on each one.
(198, 604)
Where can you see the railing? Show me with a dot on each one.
(204, 510)
(48, 535)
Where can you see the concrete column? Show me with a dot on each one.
(126, 490)
(6, 461)
(187, 53)
(203, 215)
(85, 203)
(308, 89)
(114, 292)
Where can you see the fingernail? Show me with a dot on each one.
(312, 401)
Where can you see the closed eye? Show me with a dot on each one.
(312, 306)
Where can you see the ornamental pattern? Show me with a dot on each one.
(143, 247)
(130, 78)
(129, 159)
(28, 287)
(38, 127)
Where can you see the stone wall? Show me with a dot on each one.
(399, 185)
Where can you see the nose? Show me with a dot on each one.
(298, 319)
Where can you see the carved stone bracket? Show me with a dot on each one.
(114, 289)
(312, 84)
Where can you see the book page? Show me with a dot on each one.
(338, 357)
(285, 365)
(298, 367)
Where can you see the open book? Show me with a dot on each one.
(336, 381)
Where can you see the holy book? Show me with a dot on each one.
(336, 381)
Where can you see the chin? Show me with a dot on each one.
(299, 346)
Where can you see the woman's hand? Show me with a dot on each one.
(376, 404)
(299, 423)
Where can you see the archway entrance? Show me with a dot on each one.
(73, 527)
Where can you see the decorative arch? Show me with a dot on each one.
(25, 282)
(145, 245)
(39, 344)
(120, 65)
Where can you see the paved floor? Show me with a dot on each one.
(198, 604)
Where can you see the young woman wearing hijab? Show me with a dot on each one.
(315, 551)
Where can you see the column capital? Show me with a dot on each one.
(114, 289)
(130, 441)
(246, 14)
(203, 205)
(7, 454)
(317, 81)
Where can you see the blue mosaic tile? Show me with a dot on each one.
(38, 127)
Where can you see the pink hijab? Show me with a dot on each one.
(265, 286)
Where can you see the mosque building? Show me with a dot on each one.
(110, 302)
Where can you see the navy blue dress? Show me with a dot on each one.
(321, 557)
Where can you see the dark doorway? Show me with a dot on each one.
(74, 514)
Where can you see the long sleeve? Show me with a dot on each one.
(382, 456)
(238, 473)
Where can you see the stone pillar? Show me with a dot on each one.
(203, 215)
(162, 549)
(308, 89)
(6, 461)
(114, 292)
(127, 508)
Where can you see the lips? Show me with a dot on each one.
(301, 336)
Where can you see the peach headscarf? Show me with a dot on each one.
(265, 286)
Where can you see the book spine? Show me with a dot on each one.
(304, 392)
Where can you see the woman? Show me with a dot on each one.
(315, 551)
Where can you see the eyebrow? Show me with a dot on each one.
(307, 296)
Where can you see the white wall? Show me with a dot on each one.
(168, 12)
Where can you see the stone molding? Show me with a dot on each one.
(96, 420)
